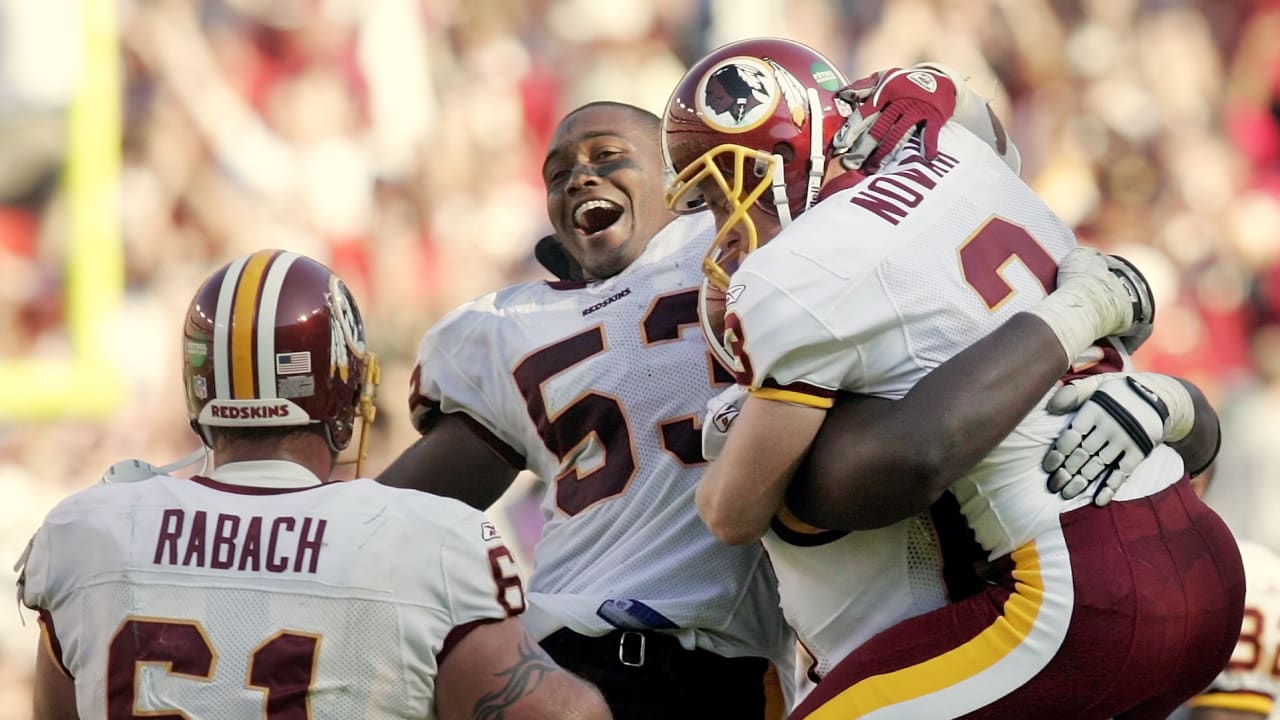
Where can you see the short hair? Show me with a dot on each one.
(646, 119)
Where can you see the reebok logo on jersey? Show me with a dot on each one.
(488, 531)
(607, 301)
(724, 417)
(734, 292)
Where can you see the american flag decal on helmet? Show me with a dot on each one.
(298, 363)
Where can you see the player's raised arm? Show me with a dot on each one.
(498, 671)
(462, 453)
(452, 460)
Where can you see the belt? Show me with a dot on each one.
(631, 648)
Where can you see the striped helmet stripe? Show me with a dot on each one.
(222, 330)
(243, 313)
(267, 324)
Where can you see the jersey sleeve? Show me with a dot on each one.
(33, 572)
(458, 370)
(784, 351)
(43, 585)
(481, 576)
(48, 570)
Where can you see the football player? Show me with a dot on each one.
(598, 383)
(262, 589)
(875, 285)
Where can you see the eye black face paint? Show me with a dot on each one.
(606, 169)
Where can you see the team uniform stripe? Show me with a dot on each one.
(791, 396)
(1248, 702)
(243, 309)
(222, 329)
(997, 660)
(267, 324)
(49, 636)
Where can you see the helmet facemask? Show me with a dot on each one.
(351, 354)
(366, 411)
(704, 177)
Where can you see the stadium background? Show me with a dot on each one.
(145, 142)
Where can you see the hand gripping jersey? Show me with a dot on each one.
(1251, 679)
(219, 599)
(600, 388)
(867, 292)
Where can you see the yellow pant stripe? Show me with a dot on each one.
(956, 665)
(1243, 702)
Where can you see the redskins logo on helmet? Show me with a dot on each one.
(737, 95)
(275, 339)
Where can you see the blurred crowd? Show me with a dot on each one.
(400, 141)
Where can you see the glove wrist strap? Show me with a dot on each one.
(1182, 411)
(1072, 318)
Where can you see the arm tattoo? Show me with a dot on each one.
(522, 678)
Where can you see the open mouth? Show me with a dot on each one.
(596, 216)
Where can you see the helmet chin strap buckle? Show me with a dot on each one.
(779, 185)
(817, 158)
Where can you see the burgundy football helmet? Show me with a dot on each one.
(752, 116)
(275, 339)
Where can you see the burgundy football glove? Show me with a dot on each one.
(887, 106)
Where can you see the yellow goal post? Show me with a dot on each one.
(84, 385)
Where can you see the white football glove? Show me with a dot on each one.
(1097, 296)
(722, 410)
(1121, 418)
(889, 105)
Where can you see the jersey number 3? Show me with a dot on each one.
(599, 415)
(984, 256)
(282, 666)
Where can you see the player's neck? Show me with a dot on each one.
(306, 449)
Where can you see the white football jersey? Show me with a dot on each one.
(600, 388)
(1251, 679)
(882, 282)
(262, 594)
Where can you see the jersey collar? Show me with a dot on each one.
(265, 474)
